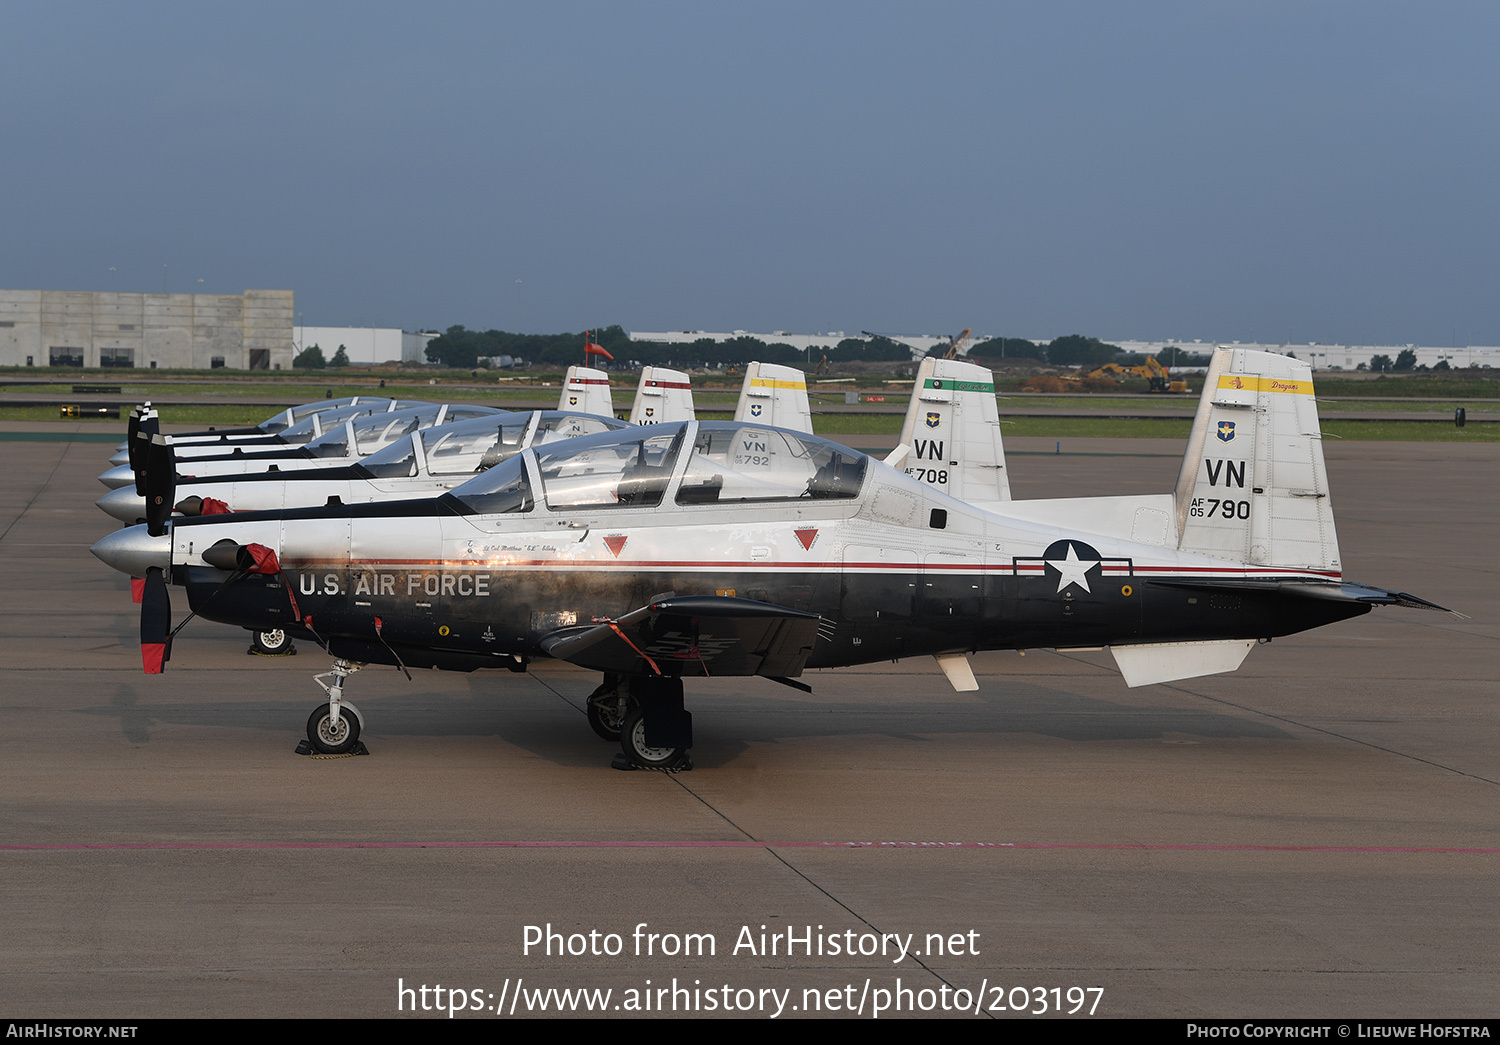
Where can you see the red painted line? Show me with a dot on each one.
(1261, 573)
(740, 844)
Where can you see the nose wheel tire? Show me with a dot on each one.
(633, 743)
(331, 741)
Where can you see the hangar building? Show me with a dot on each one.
(249, 331)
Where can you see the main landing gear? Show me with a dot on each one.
(334, 728)
(609, 705)
(273, 643)
(647, 717)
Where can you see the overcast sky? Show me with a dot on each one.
(1270, 171)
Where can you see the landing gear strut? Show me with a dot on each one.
(609, 705)
(334, 728)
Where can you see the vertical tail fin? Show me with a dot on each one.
(953, 429)
(775, 395)
(663, 395)
(586, 390)
(1253, 487)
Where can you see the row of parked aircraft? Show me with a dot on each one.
(666, 548)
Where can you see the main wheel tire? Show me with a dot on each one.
(333, 741)
(273, 643)
(605, 714)
(633, 743)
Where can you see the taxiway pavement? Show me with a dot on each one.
(1317, 834)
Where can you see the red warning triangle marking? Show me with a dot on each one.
(615, 544)
(806, 537)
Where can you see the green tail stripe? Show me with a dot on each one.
(959, 386)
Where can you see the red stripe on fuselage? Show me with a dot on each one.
(1004, 569)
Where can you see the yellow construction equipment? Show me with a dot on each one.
(1155, 374)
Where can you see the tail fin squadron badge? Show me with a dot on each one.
(1226, 431)
(754, 409)
(933, 418)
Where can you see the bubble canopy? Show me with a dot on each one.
(713, 462)
(311, 426)
(466, 447)
(377, 431)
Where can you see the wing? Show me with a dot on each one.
(693, 635)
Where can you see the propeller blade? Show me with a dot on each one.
(156, 622)
(160, 484)
(139, 431)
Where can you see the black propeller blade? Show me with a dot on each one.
(156, 622)
(160, 484)
(143, 424)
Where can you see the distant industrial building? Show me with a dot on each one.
(1318, 356)
(1330, 357)
(249, 331)
(365, 346)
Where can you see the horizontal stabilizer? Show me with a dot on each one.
(1350, 592)
(693, 635)
(1154, 662)
(1330, 591)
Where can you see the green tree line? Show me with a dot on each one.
(462, 348)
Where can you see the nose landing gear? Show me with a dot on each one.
(334, 728)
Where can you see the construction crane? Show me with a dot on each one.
(949, 351)
(957, 343)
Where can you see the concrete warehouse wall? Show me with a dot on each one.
(364, 345)
(185, 331)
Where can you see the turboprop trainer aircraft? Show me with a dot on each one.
(312, 426)
(290, 443)
(438, 455)
(728, 548)
(436, 459)
(340, 444)
(277, 422)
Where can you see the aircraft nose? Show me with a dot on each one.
(133, 551)
(118, 477)
(123, 457)
(123, 504)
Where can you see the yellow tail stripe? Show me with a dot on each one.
(766, 382)
(1250, 383)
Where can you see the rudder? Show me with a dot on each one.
(1253, 487)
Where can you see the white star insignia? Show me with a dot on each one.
(1073, 569)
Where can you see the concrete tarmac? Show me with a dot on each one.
(1317, 834)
